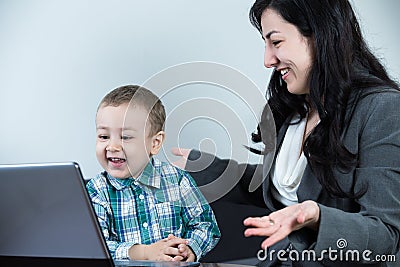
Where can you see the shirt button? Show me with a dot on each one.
(135, 182)
(141, 197)
(145, 225)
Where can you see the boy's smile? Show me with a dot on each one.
(116, 162)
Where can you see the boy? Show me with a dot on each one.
(147, 209)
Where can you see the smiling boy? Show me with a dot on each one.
(147, 209)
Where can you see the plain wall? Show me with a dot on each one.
(59, 58)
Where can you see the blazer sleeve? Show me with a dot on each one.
(234, 178)
(374, 134)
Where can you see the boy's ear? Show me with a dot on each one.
(156, 142)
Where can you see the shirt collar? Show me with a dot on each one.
(151, 174)
(149, 177)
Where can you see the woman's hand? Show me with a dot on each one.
(279, 224)
(183, 153)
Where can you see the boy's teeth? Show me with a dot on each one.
(116, 159)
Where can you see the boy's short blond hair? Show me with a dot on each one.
(137, 95)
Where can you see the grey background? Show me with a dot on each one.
(59, 58)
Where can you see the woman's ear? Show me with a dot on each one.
(156, 142)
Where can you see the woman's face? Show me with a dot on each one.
(287, 50)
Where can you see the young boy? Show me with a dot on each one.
(147, 209)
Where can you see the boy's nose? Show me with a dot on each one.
(113, 147)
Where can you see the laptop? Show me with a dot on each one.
(47, 220)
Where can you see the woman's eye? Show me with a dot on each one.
(125, 137)
(275, 43)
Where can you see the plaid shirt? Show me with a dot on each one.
(163, 200)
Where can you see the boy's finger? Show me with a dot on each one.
(191, 257)
(171, 251)
(170, 236)
(178, 258)
(174, 242)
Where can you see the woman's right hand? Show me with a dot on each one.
(183, 153)
(279, 224)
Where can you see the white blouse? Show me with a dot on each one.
(290, 164)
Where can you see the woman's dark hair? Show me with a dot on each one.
(342, 63)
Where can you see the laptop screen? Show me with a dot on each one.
(47, 220)
(46, 213)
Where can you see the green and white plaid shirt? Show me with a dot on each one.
(163, 200)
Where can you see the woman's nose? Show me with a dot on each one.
(270, 59)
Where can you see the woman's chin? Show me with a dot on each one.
(297, 91)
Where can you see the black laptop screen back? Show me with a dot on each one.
(46, 213)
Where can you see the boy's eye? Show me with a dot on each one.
(103, 137)
(126, 137)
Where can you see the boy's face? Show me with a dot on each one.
(123, 144)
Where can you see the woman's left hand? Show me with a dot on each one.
(279, 224)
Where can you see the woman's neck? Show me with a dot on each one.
(312, 121)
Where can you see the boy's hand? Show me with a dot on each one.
(186, 253)
(164, 250)
(167, 249)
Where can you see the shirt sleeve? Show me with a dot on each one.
(201, 227)
(100, 201)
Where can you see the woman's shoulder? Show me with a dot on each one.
(378, 97)
(376, 102)
(377, 105)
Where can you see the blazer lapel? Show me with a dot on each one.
(267, 165)
(309, 188)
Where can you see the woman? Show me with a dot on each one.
(334, 186)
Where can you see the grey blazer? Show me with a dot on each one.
(364, 230)
(371, 223)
